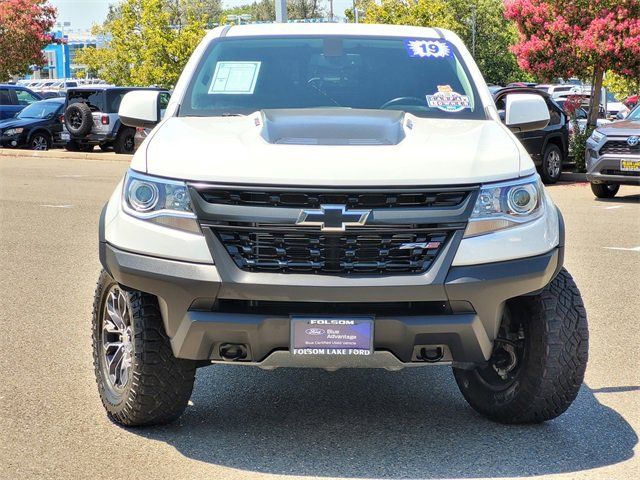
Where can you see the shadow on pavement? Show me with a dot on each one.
(410, 424)
(633, 198)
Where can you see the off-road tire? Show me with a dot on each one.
(78, 119)
(125, 141)
(548, 174)
(160, 385)
(604, 190)
(553, 365)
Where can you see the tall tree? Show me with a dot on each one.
(265, 10)
(207, 11)
(144, 45)
(25, 27)
(480, 24)
(585, 38)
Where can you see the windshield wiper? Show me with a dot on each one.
(229, 114)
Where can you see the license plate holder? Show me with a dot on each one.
(630, 165)
(333, 336)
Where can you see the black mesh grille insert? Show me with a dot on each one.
(622, 173)
(309, 199)
(332, 253)
(619, 147)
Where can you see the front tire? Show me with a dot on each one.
(539, 358)
(125, 141)
(139, 380)
(605, 190)
(551, 167)
(40, 141)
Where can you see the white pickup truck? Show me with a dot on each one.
(335, 196)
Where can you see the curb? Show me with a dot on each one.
(60, 154)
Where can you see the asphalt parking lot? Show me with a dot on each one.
(246, 423)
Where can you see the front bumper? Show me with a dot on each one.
(606, 169)
(462, 307)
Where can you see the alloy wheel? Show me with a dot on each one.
(39, 142)
(553, 164)
(117, 340)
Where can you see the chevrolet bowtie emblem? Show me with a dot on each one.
(333, 218)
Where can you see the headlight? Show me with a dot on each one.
(13, 131)
(596, 136)
(505, 205)
(159, 200)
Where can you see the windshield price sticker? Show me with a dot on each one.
(427, 48)
(235, 78)
(447, 100)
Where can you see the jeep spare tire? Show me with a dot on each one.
(78, 119)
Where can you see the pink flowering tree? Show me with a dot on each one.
(25, 27)
(564, 38)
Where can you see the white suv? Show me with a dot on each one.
(335, 196)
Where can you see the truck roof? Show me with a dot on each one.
(281, 29)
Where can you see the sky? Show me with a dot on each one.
(84, 13)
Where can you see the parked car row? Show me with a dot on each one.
(84, 118)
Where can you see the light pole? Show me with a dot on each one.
(281, 11)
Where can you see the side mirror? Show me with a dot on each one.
(525, 112)
(140, 108)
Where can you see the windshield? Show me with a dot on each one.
(635, 114)
(244, 75)
(39, 110)
(611, 97)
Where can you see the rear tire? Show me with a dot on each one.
(125, 141)
(139, 380)
(551, 167)
(605, 190)
(539, 359)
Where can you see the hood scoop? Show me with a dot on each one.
(333, 126)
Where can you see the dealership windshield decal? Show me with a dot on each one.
(447, 100)
(427, 48)
(235, 78)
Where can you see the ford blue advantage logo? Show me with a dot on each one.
(633, 141)
(314, 331)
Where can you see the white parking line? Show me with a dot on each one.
(612, 207)
(633, 249)
(57, 206)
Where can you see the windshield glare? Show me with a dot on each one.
(417, 75)
(39, 110)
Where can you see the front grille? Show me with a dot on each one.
(622, 173)
(352, 252)
(351, 199)
(619, 147)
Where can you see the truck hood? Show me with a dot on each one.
(621, 128)
(332, 148)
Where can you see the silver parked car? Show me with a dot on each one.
(613, 156)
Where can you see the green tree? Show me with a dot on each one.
(622, 86)
(265, 10)
(480, 24)
(144, 44)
